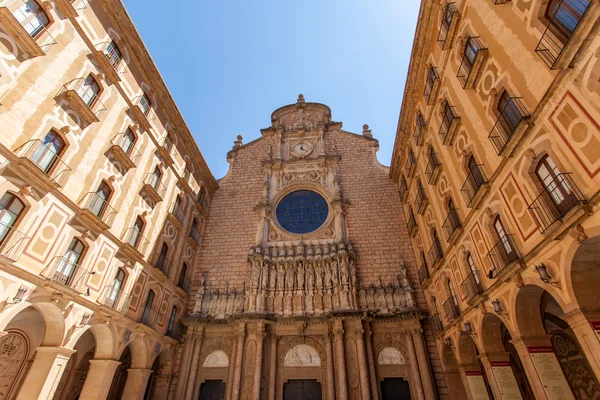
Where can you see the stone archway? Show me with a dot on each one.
(473, 373)
(120, 377)
(456, 388)
(71, 383)
(303, 364)
(160, 379)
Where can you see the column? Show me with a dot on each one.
(426, 378)
(230, 373)
(414, 367)
(99, 378)
(43, 377)
(587, 338)
(362, 364)
(468, 370)
(371, 360)
(241, 336)
(193, 370)
(521, 345)
(489, 372)
(260, 337)
(273, 367)
(135, 386)
(330, 362)
(184, 366)
(341, 359)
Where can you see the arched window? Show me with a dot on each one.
(100, 199)
(473, 269)
(471, 50)
(145, 104)
(182, 276)
(177, 205)
(113, 54)
(555, 184)
(451, 305)
(155, 179)
(148, 307)
(503, 237)
(510, 116)
(136, 232)
(48, 151)
(69, 262)
(11, 208)
(127, 141)
(115, 288)
(172, 320)
(565, 15)
(436, 242)
(475, 172)
(89, 91)
(32, 17)
(161, 261)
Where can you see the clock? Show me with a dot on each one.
(302, 149)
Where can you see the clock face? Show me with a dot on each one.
(302, 149)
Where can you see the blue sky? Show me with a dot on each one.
(230, 64)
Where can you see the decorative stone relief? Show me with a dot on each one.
(302, 355)
(216, 359)
(390, 356)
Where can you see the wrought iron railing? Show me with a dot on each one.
(433, 164)
(473, 183)
(451, 308)
(87, 94)
(448, 117)
(155, 183)
(177, 211)
(46, 160)
(435, 252)
(472, 286)
(35, 26)
(95, 203)
(135, 239)
(185, 284)
(195, 235)
(164, 265)
(421, 199)
(559, 197)
(123, 142)
(176, 331)
(410, 163)
(411, 222)
(436, 323)
(503, 254)
(149, 318)
(403, 189)
(12, 241)
(167, 144)
(113, 297)
(67, 273)
(513, 113)
(472, 48)
(432, 77)
(423, 273)
(145, 107)
(451, 224)
(447, 18)
(420, 129)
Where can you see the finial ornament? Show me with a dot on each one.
(300, 98)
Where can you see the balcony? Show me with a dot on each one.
(30, 35)
(431, 85)
(124, 151)
(411, 224)
(447, 26)
(35, 156)
(452, 226)
(421, 201)
(12, 241)
(435, 254)
(96, 211)
(71, 8)
(111, 66)
(509, 127)
(185, 284)
(420, 130)
(470, 66)
(403, 189)
(436, 323)
(423, 273)
(410, 165)
(83, 100)
(502, 255)
(449, 126)
(560, 196)
(149, 318)
(475, 186)
(451, 309)
(176, 331)
(433, 168)
(143, 113)
(496, 2)
(154, 189)
(115, 299)
(163, 265)
(66, 273)
(195, 236)
(135, 244)
(553, 47)
(176, 215)
(166, 149)
(471, 286)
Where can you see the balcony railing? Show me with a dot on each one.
(185, 284)
(143, 112)
(433, 168)
(451, 224)
(448, 126)
(409, 166)
(124, 149)
(470, 61)
(12, 241)
(436, 323)
(510, 118)
(502, 255)
(451, 308)
(195, 235)
(471, 286)
(475, 180)
(164, 265)
(176, 331)
(420, 129)
(95, 204)
(447, 19)
(421, 200)
(155, 188)
(500, 1)
(435, 253)
(44, 158)
(71, 8)
(559, 197)
(83, 99)
(135, 239)
(560, 29)
(67, 273)
(411, 223)
(114, 298)
(27, 29)
(177, 211)
(430, 84)
(403, 189)
(423, 273)
(149, 318)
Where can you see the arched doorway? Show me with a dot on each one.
(456, 388)
(158, 384)
(120, 378)
(73, 378)
(474, 375)
(303, 370)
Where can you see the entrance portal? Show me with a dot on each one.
(212, 390)
(395, 389)
(308, 389)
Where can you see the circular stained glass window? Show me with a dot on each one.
(302, 211)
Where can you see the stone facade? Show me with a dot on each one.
(496, 156)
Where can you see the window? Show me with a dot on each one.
(502, 236)
(452, 293)
(136, 232)
(145, 104)
(69, 262)
(155, 178)
(436, 242)
(48, 151)
(510, 116)
(447, 17)
(182, 275)
(566, 14)
(302, 211)
(194, 226)
(172, 320)
(475, 172)
(556, 186)
(471, 49)
(32, 17)
(127, 141)
(89, 91)
(113, 54)
(11, 208)
(100, 199)
(116, 286)
(148, 307)
(162, 256)
(473, 269)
